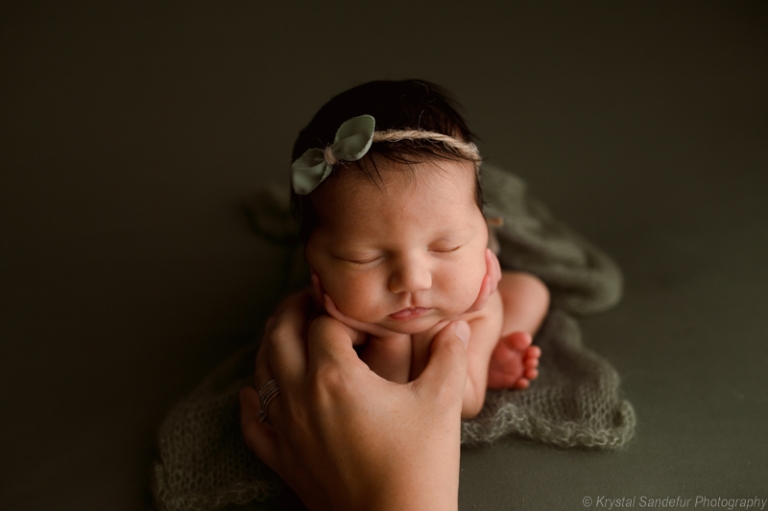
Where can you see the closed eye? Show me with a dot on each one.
(361, 262)
(442, 250)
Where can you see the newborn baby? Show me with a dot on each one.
(394, 232)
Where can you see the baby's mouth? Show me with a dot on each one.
(409, 313)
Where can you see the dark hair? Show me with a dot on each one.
(396, 105)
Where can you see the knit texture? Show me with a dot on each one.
(204, 463)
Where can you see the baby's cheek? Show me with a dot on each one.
(464, 288)
(353, 296)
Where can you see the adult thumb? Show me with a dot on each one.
(446, 373)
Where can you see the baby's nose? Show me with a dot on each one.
(410, 277)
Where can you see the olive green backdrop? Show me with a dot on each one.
(131, 133)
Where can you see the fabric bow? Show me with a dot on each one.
(352, 141)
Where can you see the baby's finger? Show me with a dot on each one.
(494, 268)
(317, 288)
(333, 311)
(482, 297)
(490, 280)
(497, 267)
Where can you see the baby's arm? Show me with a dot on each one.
(526, 302)
(389, 357)
(485, 327)
(499, 351)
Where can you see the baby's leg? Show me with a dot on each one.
(514, 361)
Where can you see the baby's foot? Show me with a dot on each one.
(513, 362)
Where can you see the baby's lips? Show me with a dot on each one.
(409, 313)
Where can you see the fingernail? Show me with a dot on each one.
(462, 331)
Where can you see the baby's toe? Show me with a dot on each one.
(521, 383)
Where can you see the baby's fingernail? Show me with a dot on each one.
(462, 331)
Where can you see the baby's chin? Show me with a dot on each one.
(413, 326)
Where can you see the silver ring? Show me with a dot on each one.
(266, 394)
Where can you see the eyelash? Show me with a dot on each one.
(362, 263)
(446, 251)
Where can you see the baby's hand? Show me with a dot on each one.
(330, 307)
(490, 281)
(369, 328)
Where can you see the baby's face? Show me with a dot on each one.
(403, 256)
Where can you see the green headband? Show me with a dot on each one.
(352, 142)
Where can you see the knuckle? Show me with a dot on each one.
(320, 325)
(324, 327)
(297, 414)
(331, 378)
(330, 385)
(280, 332)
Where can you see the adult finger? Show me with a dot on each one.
(330, 342)
(263, 376)
(283, 341)
(263, 373)
(446, 373)
(259, 437)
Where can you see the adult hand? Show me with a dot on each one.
(346, 439)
